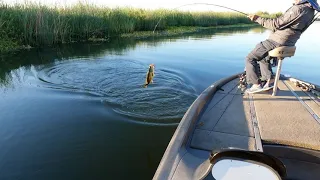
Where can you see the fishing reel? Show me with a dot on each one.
(242, 81)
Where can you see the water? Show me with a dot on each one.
(80, 112)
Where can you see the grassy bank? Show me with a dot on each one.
(174, 31)
(37, 25)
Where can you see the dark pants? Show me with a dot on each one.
(259, 55)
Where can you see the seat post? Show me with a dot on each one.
(280, 53)
(275, 87)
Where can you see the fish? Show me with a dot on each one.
(150, 75)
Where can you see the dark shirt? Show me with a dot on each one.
(287, 28)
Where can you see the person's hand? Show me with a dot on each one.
(253, 17)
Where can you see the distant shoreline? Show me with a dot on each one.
(172, 31)
(32, 25)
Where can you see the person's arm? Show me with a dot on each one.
(283, 21)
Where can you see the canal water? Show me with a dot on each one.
(80, 111)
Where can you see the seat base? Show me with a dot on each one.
(275, 87)
(283, 51)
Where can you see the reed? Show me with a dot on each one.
(36, 24)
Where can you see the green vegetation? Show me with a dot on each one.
(174, 31)
(267, 15)
(6, 44)
(38, 25)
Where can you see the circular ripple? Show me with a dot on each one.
(119, 84)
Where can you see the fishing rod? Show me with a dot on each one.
(208, 4)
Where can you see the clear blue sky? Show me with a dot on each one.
(244, 5)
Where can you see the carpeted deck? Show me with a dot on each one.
(284, 120)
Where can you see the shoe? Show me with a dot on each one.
(254, 89)
(268, 86)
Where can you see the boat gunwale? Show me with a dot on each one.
(181, 137)
(293, 79)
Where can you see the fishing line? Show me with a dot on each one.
(208, 4)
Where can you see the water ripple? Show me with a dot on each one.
(118, 83)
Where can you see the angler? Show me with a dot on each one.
(287, 30)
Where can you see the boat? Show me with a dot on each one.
(284, 128)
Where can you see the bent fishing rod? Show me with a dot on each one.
(208, 4)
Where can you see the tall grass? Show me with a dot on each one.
(267, 15)
(35, 25)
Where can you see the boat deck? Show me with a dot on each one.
(253, 122)
(226, 122)
(290, 118)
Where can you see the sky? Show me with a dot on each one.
(247, 6)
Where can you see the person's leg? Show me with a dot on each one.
(266, 72)
(265, 69)
(265, 66)
(257, 54)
